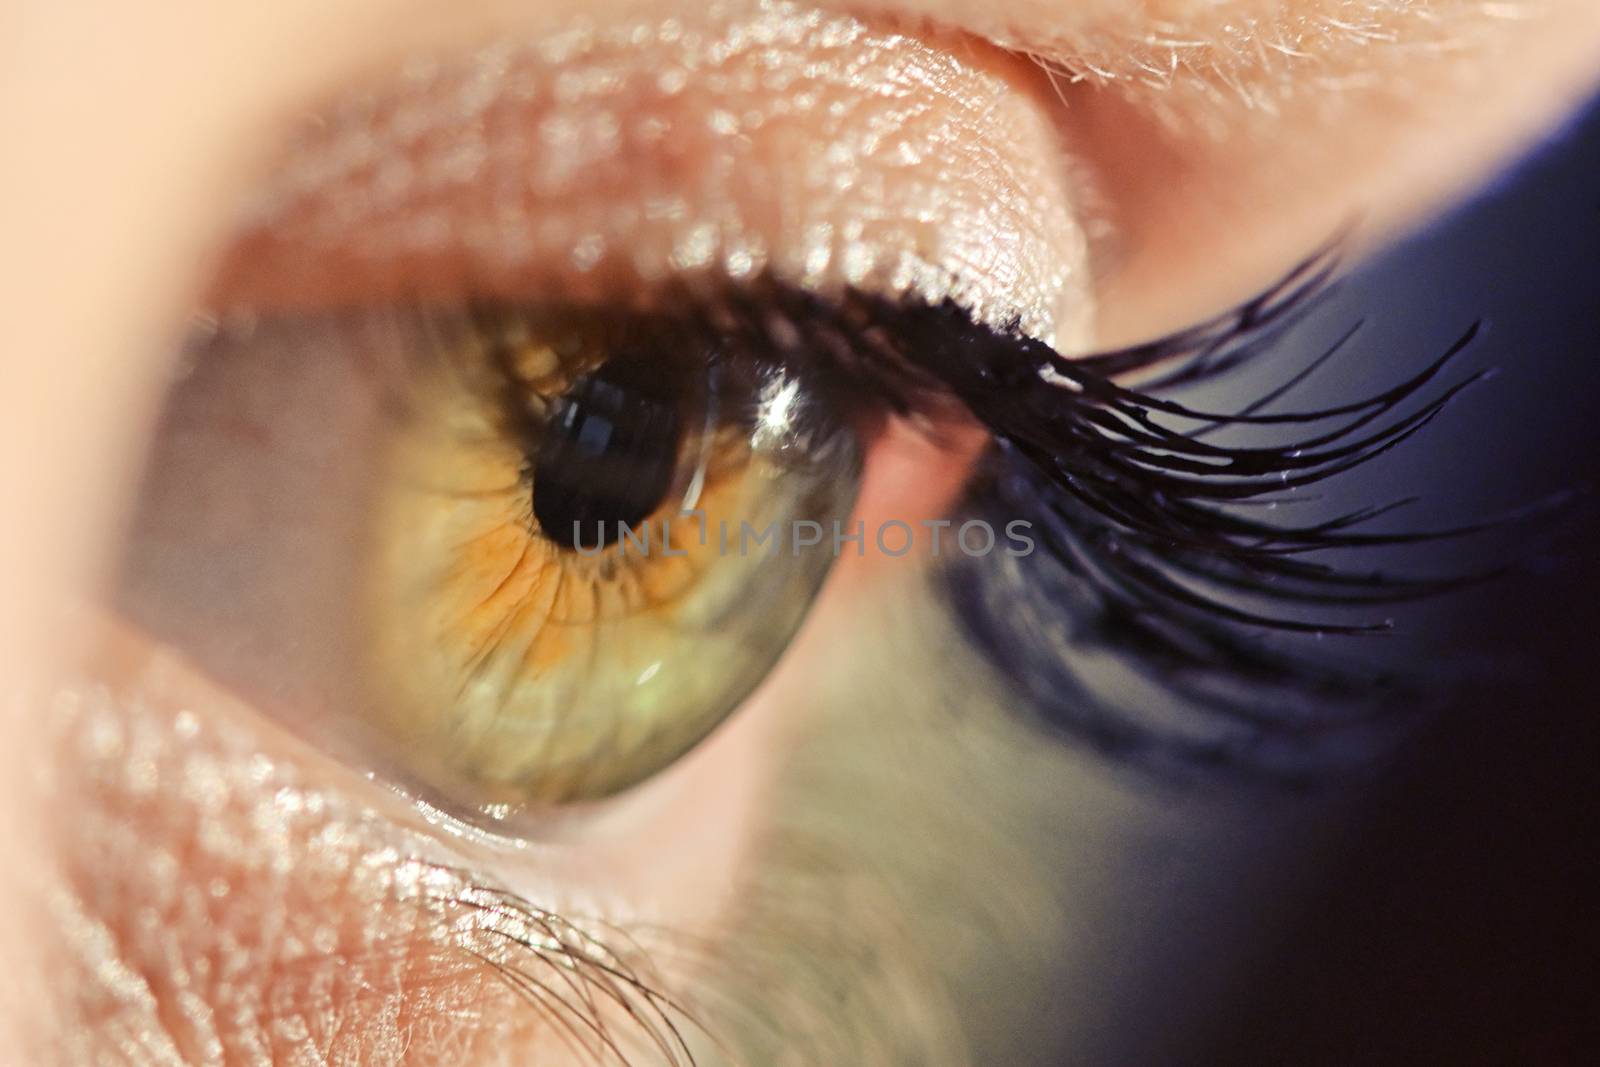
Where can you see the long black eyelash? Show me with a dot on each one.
(1141, 461)
(1172, 492)
(1162, 533)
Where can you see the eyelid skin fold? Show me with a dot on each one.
(601, 162)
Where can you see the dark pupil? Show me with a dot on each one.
(608, 455)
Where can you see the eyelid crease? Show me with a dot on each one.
(1253, 55)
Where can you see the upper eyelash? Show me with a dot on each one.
(1163, 555)
(1167, 490)
(1146, 512)
(1106, 446)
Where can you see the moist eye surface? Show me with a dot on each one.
(520, 555)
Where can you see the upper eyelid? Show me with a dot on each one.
(984, 298)
(789, 157)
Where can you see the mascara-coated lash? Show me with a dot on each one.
(1160, 542)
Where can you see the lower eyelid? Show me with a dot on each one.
(233, 895)
(223, 886)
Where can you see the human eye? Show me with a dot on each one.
(655, 549)
(578, 444)
(513, 544)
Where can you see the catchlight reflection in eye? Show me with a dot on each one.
(555, 607)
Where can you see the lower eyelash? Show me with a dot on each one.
(575, 980)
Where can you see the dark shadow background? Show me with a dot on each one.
(1461, 926)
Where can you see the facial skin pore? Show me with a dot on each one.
(186, 883)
